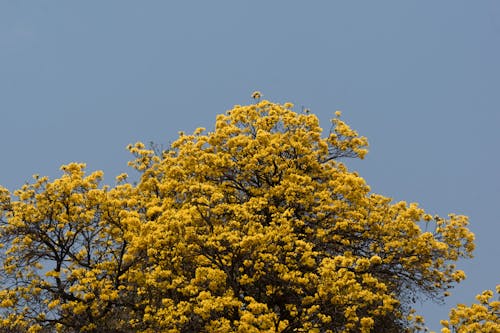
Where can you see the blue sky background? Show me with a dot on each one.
(421, 79)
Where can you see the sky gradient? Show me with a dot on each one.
(421, 79)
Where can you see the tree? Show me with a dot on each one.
(480, 317)
(256, 226)
(64, 258)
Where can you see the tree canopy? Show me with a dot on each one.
(255, 226)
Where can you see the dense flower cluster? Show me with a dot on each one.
(256, 226)
(482, 317)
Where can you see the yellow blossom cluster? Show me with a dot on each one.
(482, 317)
(255, 226)
(63, 253)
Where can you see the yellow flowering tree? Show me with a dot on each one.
(63, 255)
(259, 226)
(482, 317)
(255, 226)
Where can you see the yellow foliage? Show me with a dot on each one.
(64, 243)
(255, 226)
(481, 317)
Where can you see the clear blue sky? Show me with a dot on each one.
(421, 79)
